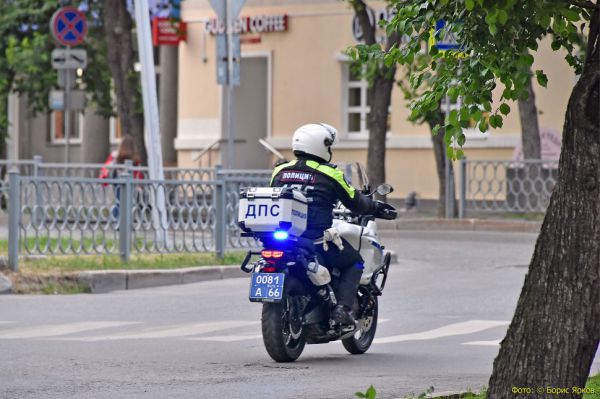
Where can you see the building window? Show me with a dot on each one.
(57, 127)
(116, 132)
(356, 104)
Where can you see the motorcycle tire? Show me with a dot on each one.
(284, 336)
(360, 342)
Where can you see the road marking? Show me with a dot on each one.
(182, 330)
(55, 330)
(484, 343)
(467, 327)
(228, 338)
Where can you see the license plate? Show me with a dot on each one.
(266, 287)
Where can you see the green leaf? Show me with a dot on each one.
(541, 78)
(483, 125)
(496, 121)
(371, 392)
(502, 17)
(570, 14)
(469, 4)
(504, 108)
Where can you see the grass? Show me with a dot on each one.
(536, 217)
(71, 263)
(593, 383)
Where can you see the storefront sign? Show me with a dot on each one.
(375, 17)
(253, 24)
(167, 32)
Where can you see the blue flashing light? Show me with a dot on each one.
(280, 235)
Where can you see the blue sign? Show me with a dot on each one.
(448, 42)
(69, 26)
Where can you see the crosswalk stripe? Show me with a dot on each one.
(228, 338)
(495, 342)
(463, 328)
(182, 330)
(55, 330)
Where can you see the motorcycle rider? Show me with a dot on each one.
(324, 185)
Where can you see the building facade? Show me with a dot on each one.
(294, 71)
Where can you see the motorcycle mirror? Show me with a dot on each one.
(384, 189)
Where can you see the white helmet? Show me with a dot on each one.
(314, 139)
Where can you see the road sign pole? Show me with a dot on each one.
(67, 115)
(230, 87)
(151, 118)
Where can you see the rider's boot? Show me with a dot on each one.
(341, 314)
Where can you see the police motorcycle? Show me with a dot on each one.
(296, 291)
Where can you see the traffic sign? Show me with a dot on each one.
(69, 58)
(58, 100)
(69, 26)
(221, 9)
(446, 43)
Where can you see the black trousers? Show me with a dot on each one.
(349, 263)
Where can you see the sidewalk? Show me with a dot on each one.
(503, 225)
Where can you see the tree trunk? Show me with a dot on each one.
(554, 334)
(120, 57)
(439, 152)
(530, 131)
(380, 94)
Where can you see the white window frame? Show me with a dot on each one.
(112, 129)
(363, 109)
(78, 129)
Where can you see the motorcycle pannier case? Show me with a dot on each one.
(269, 209)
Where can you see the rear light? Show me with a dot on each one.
(269, 269)
(267, 254)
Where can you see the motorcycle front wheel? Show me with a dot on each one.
(283, 334)
(360, 342)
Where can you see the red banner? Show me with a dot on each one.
(167, 31)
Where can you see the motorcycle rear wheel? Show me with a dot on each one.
(360, 342)
(283, 334)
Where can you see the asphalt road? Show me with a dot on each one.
(446, 306)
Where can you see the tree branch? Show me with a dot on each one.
(584, 4)
(594, 34)
(360, 9)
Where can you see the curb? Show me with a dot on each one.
(516, 226)
(101, 281)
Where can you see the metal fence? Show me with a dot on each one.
(59, 209)
(67, 212)
(507, 186)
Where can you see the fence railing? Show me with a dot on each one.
(62, 213)
(58, 209)
(507, 186)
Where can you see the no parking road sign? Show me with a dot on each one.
(69, 26)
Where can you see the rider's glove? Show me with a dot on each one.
(332, 235)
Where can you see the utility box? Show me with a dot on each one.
(270, 209)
